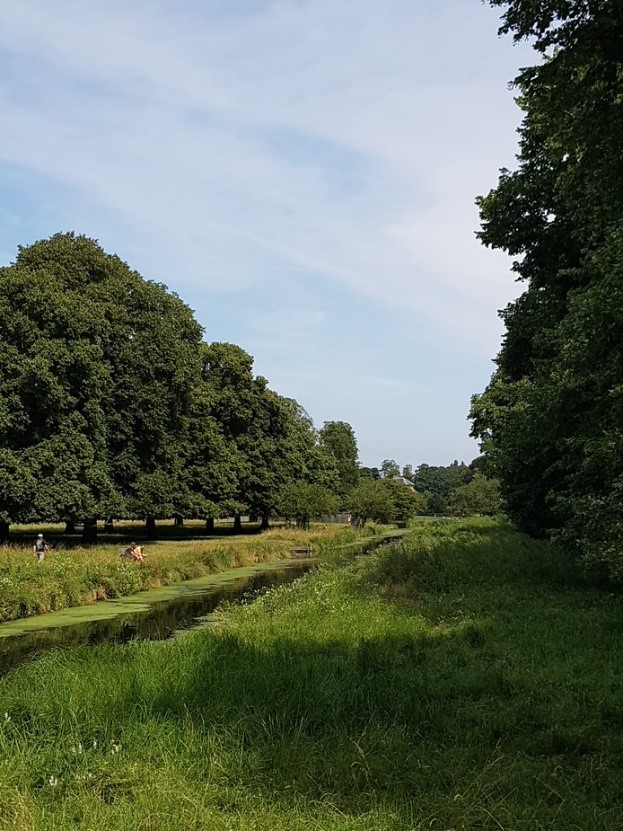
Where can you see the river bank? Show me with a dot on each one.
(460, 679)
(83, 576)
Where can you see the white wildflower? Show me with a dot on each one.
(52, 781)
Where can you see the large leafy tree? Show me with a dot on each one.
(271, 440)
(371, 499)
(55, 379)
(98, 367)
(550, 420)
(436, 483)
(406, 501)
(304, 501)
(338, 439)
(479, 496)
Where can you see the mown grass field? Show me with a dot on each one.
(461, 679)
(81, 576)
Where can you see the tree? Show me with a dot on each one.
(437, 483)
(549, 421)
(304, 501)
(99, 366)
(389, 468)
(371, 500)
(406, 502)
(369, 473)
(271, 438)
(338, 439)
(55, 378)
(480, 496)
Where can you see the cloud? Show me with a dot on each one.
(228, 140)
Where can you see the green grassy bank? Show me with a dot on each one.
(81, 576)
(457, 680)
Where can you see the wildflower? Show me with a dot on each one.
(94, 744)
(116, 748)
(52, 781)
(78, 749)
(7, 718)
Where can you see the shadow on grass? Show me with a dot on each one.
(502, 708)
(124, 534)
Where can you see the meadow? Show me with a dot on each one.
(82, 576)
(463, 678)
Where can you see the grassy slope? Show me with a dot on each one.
(458, 680)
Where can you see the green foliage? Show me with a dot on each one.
(369, 473)
(303, 501)
(338, 439)
(406, 503)
(550, 420)
(437, 484)
(111, 404)
(389, 468)
(479, 496)
(371, 500)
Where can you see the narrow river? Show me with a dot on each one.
(154, 615)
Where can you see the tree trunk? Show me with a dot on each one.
(210, 525)
(89, 531)
(179, 521)
(264, 525)
(4, 531)
(253, 517)
(70, 527)
(150, 526)
(109, 528)
(237, 524)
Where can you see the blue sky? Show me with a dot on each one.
(301, 172)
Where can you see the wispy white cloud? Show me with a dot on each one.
(339, 141)
(302, 171)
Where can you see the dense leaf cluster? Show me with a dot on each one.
(551, 418)
(111, 404)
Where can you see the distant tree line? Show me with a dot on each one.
(551, 420)
(453, 490)
(113, 406)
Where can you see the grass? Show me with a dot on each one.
(459, 679)
(82, 576)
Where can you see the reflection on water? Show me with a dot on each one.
(162, 620)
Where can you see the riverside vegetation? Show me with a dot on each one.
(459, 679)
(79, 577)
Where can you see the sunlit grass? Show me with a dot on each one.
(458, 680)
(81, 576)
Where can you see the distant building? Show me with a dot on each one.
(403, 481)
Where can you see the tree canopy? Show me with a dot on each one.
(112, 405)
(550, 419)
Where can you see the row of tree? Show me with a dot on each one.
(112, 405)
(551, 420)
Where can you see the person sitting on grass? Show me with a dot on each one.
(139, 553)
(134, 552)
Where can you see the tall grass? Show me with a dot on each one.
(76, 577)
(460, 679)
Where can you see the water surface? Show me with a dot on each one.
(152, 615)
